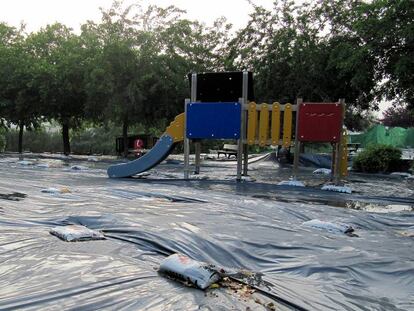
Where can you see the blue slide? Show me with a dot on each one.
(156, 155)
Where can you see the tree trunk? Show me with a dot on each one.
(65, 136)
(20, 146)
(125, 136)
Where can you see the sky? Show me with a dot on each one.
(72, 13)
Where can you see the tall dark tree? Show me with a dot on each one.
(292, 58)
(19, 95)
(143, 55)
(379, 33)
(61, 78)
(116, 85)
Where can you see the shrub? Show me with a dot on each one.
(35, 141)
(378, 158)
(98, 140)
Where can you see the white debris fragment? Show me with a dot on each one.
(92, 159)
(322, 171)
(407, 233)
(55, 190)
(329, 226)
(295, 183)
(342, 189)
(43, 165)
(248, 178)
(74, 233)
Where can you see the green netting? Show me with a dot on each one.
(394, 136)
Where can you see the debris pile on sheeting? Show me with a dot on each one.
(329, 226)
(199, 274)
(407, 233)
(76, 233)
(292, 182)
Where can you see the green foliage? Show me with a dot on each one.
(386, 27)
(85, 140)
(36, 141)
(19, 96)
(94, 141)
(61, 78)
(377, 158)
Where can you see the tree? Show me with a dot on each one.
(143, 56)
(292, 58)
(400, 115)
(357, 119)
(386, 27)
(295, 54)
(19, 96)
(61, 77)
(117, 82)
(383, 32)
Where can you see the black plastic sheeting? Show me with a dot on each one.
(315, 160)
(255, 226)
(318, 160)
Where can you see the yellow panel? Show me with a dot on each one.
(343, 165)
(176, 128)
(251, 124)
(263, 124)
(287, 125)
(275, 124)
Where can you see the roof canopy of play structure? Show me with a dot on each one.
(379, 134)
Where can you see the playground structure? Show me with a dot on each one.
(222, 107)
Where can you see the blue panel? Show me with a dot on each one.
(213, 120)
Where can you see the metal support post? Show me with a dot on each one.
(186, 140)
(245, 100)
(197, 149)
(186, 144)
(336, 160)
(245, 159)
(338, 149)
(297, 142)
(240, 146)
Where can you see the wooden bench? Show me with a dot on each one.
(228, 150)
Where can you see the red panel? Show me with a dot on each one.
(320, 122)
